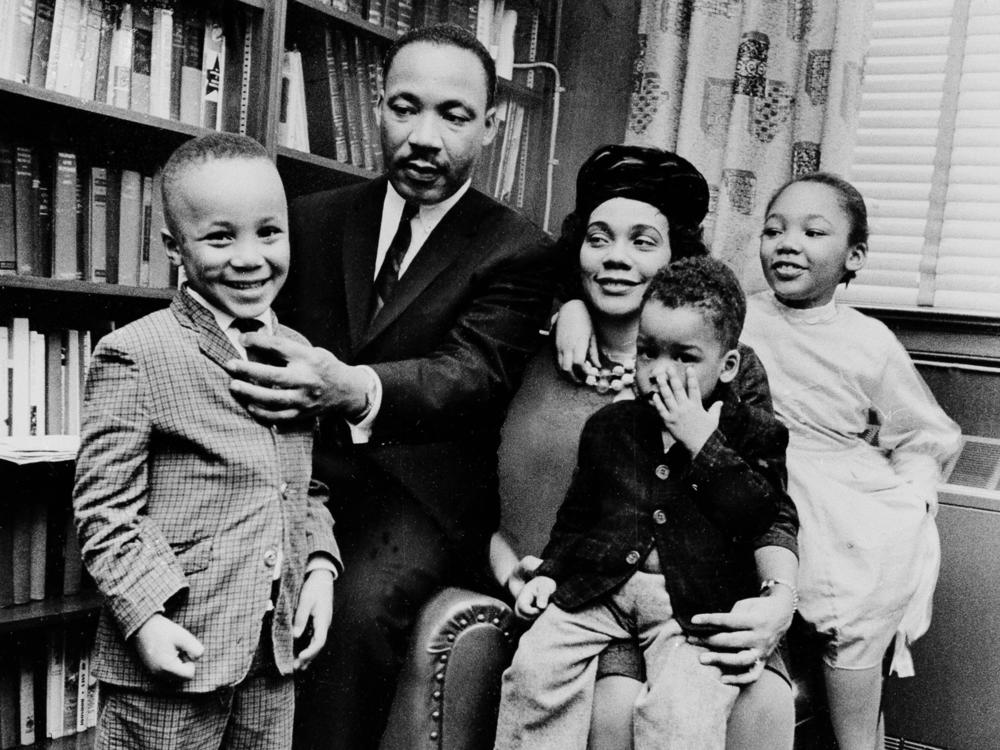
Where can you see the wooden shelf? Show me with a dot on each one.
(49, 611)
(78, 303)
(303, 172)
(315, 10)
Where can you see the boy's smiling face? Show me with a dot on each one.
(229, 230)
(676, 339)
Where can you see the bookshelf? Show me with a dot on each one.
(82, 256)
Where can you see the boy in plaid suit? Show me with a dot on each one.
(196, 521)
(673, 494)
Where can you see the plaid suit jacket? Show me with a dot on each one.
(182, 499)
(705, 515)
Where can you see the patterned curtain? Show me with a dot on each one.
(751, 92)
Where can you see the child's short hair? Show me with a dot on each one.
(707, 285)
(216, 145)
(851, 201)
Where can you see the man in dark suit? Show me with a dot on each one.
(424, 298)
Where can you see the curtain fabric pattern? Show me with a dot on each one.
(751, 92)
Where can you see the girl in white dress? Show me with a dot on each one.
(866, 444)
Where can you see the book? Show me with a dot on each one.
(161, 57)
(20, 362)
(5, 386)
(43, 238)
(130, 227)
(366, 114)
(335, 97)
(55, 646)
(97, 225)
(112, 208)
(19, 54)
(8, 238)
(82, 683)
(505, 44)
(6, 563)
(55, 43)
(374, 70)
(26, 696)
(191, 66)
(293, 130)
(40, 41)
(73, 368)
(90, 41)
(72, 558)
(120, 60)
(93, 687)
(404, 16)
(54, 387)
(36, 385)
(65, 263)
(213, 63)
(352, 104)
(176, 61)
(142, 55)
(145, 236)
(20, 520)
(25, 210)
(82, 220)
(67, 70)
(10, 735)
(38, 516)
(109, 19)
(71, 679)
(159, 262)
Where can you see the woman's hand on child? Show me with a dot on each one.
(523, 572)
(166, 649)
(574, 340)
(534, 597)
(315, 609)
(312, 382)
(678, 401)
(748, 634)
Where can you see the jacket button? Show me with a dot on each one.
(662, 471)
(283, 488)
(632, 557)
(694, 487)
(270, 558)
(659, 516)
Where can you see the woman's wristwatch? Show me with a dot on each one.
(770, 583)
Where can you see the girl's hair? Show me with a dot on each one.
(851, 201)
(655, 176)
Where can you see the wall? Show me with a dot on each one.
(598, 43)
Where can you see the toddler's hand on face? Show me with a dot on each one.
(678, 401)
(534, 597)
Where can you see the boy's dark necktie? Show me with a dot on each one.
(388, 274)
(250, 325)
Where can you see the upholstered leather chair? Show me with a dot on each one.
(449, 691)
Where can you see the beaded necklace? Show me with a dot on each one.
(609, 375)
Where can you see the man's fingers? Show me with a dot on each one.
(286, 348)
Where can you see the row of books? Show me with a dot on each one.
(402, 15)
(64, 219)
(503, 169)
(39, 549)
(51, 675)
(41, 378)
(334, 81)
(157, 57)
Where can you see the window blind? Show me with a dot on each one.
(927, 156)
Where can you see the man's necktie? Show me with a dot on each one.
(388, 274)
(251, 325)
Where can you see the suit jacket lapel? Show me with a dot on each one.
(358, 249)
(443, 246)
(212, 342)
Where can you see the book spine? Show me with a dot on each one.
(64, 232)
(6, 557)
(25, 209)
(23, 31)
(142, 55)
(404, 16)
(71, 681)
(176, 61)
(109, 18)
(73, 390)
(371, 57)
(43, 245)
(145, 238)
(365, 112)
(336, 95)
(72, 558)
(82, 683)
(160, 62)
(54, 679)
(191, 73)
(90, 39)
(98, 224)
(41, 40)
(9, 733)
(8, 236)
(26, 697)
(83, 261)
(39, 521)
(36, 394)
(66, 70)
(130, 227)
(55, 44)
(112, 219)
(54, 387)
(351, 103)
(159, 263)
(21, 552)
(120, 67)
(20, 415)
(5, 411)
(213, 64)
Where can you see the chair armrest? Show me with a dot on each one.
(448, 692)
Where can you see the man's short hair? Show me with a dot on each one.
(449, 35)
(707, 285)
(216, 145)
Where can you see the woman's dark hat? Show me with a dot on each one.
(651, 175)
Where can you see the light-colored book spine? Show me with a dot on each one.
(120, 76)
(20, 364)
(26, 697)
(54, 671)
(213, 65)
(73, 368)
(68, 66)
(55, 44)
(161, 62)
